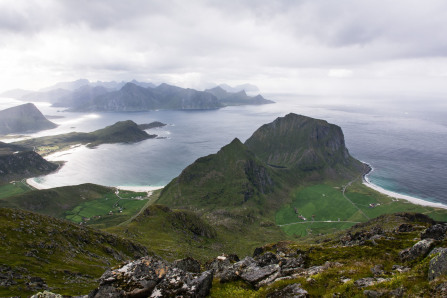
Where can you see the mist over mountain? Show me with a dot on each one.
(23, 118)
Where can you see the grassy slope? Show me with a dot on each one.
(75, 202)
(69, 258)
(11, 189)
(326, 202)
(355, 263)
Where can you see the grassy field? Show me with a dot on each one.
(327, 210)
(12, 189)
(93, 204)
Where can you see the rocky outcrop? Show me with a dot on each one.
(152, 276)
(418, 250)
(437, 232)
(438, 265)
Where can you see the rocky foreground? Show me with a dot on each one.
(400, 255)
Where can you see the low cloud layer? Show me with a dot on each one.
(281, 46)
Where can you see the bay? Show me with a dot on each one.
(404, 141)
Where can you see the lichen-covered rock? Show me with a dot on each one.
(293, 290)
(268, 258)
(420, 249)
(153, 277)
(369, 281)
(438, 265)
(259, 276)
(46, 294)
(188, 264)
(180, 283)
(437, 232)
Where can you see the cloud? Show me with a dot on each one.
(196, 42)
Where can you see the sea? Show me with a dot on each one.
(403, 138)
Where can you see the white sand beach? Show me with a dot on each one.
(396, 195)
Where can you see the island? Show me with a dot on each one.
(23, 118)
(120, 132)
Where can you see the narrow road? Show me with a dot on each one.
(150, 201)
(344, 195)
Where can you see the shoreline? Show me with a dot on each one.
(39, 186)
(410, 199)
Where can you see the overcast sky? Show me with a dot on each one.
(297, 46)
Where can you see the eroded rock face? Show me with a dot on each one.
(436, 232)
(154, 277)
(420, 249)
(293, 290)
(438, 265)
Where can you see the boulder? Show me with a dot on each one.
(268, 258)
(188, 264)
(258, 276)
(180, 283)
(420, 249)
(152, 276)
(293, 290)
(438, 265)
(435, 232)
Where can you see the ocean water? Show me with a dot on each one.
(403, 140)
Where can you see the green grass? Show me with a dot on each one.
(76, 203)
(68, 257)
(103, 207)
(326, 202)
(11, 189)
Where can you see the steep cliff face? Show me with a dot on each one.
(23, 118)
(270, 161)
(300, 142)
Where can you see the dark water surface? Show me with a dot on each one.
(405, 142)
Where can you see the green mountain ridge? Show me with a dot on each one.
(39, 252)
(120, 132)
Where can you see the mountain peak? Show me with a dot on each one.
(22, 118)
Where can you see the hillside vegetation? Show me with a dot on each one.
(120, 132)
(39, 252)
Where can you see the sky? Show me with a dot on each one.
(282, 46)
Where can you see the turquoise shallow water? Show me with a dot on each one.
(406, 146)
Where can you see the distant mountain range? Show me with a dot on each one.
(82, 95)
(23, 118)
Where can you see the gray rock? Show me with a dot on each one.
(257, 276)
(46, 294)
(291, 265)
(400, 268)
(369, 293)
(437, 232)
(405, 228)
(438, 265)
(180, 283)
(437, 250)
(420, 249)
(365, 282)
(188, 264)
(377, 270)
(369, 281)
(268, 258)
(293, 290)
